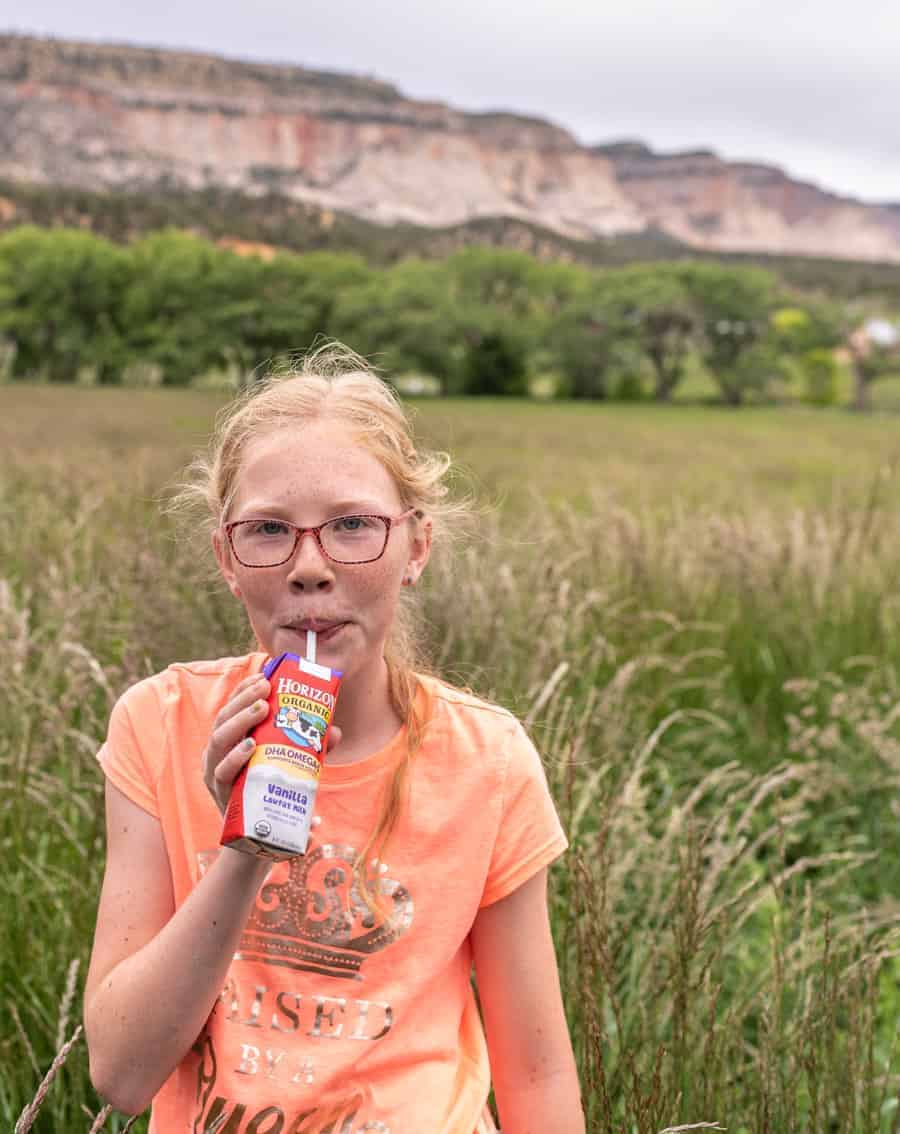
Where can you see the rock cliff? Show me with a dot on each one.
(109, 117)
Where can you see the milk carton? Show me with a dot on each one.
(272, 800)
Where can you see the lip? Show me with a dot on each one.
(324, 629)
(319, 625)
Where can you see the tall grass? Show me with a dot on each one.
(716, 694)
(718, 701)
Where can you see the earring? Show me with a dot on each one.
(407, 580)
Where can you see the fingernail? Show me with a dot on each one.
(248, 743)
(259, 706)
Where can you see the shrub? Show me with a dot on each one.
(821, 372)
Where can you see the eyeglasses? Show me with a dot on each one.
(346, 539)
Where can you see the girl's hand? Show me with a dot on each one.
(229, 748)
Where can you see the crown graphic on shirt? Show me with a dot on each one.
(310, 915)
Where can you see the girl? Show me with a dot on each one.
(329, 994)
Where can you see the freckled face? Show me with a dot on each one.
(307, 476)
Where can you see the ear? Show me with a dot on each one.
(419, 549)
(223, 558)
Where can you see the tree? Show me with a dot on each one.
(180, 309)
(804, 337)
(405, 319)
(59, 303)
(874, 350)
(653, 303)
(294, 301)
(494, 365)
(590, 338)
(503, 280)
(807, 325)
(734, 305)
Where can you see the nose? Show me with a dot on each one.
(310, 568)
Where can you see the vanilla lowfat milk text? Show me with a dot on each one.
(272, 801)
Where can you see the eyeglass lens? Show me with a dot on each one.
(348, 539)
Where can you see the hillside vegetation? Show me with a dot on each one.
(286, 225)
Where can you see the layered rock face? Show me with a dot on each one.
(750, 207)
(109, 117)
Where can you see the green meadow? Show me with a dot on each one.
(696, 612)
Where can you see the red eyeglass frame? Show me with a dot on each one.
(299, 533)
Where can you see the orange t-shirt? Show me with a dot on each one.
(332, 1021)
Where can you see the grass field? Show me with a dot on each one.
(639, 455)
(698, 614)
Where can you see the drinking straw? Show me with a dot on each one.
(310, 645)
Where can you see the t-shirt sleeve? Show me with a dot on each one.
(530, 835)
(134, 750)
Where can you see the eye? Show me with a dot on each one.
(269, 528)
(352, 524)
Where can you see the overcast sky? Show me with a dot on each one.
(811, 86)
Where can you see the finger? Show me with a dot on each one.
(334, 737)
(251, 679)
(257, 675)
(246, 691)
(256, 690)
(231, 731)
(227, 769)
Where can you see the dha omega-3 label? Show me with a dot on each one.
(273, 798)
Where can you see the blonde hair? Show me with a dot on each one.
(336, 384)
